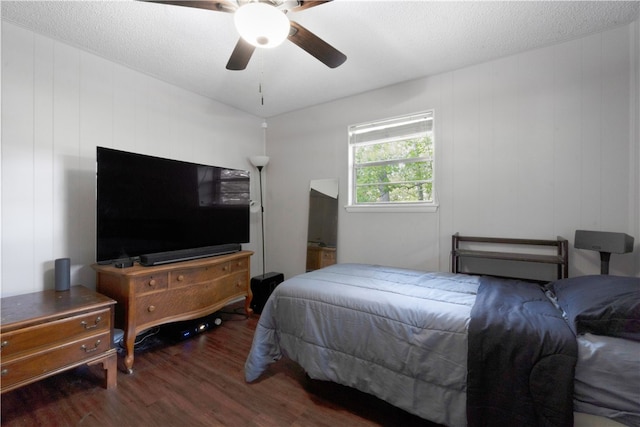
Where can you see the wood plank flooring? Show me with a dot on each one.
(197, 382)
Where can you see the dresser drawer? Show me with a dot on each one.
(70, 328)
(230, 286)
(175, 302)
(151, 283)
(55, 358)
(241, 264)
(190, 276)
(328, 256)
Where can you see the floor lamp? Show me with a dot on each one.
(260, 162)
(262, 286)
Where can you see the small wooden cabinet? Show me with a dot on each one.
(319, 257)
(151, 296)
(45, 333)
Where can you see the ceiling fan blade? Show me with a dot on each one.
(215, 5)
(241, 55)
(315, 46)
(306, 4)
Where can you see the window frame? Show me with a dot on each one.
(431, 206)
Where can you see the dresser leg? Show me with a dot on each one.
(128, 362)
(110, 366)
(129, 343)
(111, 371)
(247, 307)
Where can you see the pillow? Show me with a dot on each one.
(603, 305)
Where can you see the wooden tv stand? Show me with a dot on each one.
(151, 296)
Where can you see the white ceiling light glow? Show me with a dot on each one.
(262, 25)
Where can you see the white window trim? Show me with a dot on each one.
(408, 207)
(395, 208)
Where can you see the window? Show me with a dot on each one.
(218, 186)
(391, 164)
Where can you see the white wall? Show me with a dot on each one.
(58, 104)
(534, 145)
(552, 132)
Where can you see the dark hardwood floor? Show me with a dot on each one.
(197, 382)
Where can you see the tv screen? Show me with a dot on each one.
(147, 205)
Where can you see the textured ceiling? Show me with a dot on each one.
(386, 42)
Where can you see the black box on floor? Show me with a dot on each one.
(261, 287)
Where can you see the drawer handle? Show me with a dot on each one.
(4, 372)
(225, 268)
(152, 282)
(86, 326)
(4, 343)
(151, 308)
(91, 350)
(180, 278)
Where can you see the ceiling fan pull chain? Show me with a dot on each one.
(261, 79)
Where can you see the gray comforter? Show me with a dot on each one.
(403, 340)
(521, 359)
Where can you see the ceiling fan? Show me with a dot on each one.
(250, 16)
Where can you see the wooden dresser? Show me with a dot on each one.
(319, 257)
(151, 296)
(45, 333)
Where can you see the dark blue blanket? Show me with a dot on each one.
(521, 358)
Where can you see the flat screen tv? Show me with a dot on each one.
(150, 205)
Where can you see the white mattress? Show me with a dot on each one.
(608, 378)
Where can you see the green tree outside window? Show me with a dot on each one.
(389, 167)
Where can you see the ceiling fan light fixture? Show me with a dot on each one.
(261, 25)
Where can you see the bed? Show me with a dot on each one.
(419, 341)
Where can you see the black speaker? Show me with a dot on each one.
(262, 286)
(62, 274)
(603, 241)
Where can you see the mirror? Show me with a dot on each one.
(322, 235)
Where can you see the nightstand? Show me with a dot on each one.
(48, 332)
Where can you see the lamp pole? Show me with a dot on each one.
(262, 219)
(260, 162)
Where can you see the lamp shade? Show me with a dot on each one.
(259, 161)
(261, 25)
